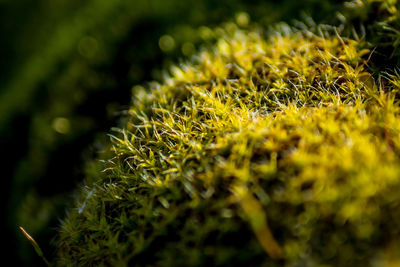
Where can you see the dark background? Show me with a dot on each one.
(67, 68)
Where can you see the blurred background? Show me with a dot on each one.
(67, 69)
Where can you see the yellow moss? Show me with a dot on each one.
(291, 125)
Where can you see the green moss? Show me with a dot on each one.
(65, 85)
(378, 21)
(278, 149)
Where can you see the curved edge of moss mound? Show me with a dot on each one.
(277, 150)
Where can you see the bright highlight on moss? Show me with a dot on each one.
(279, 149)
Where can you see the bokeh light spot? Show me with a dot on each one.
(61, 125)
(205, 33)
(188, 49)
(166, 43)
(242, 19)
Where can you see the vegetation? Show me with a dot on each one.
(277, 148)
(66, 72)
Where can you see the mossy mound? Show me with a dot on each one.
(279, 150)
(64, 87)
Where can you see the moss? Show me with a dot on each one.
(278, 149)
(63, 87)
(378, 21)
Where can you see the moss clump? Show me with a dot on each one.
(64, 86)
(276, 149)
